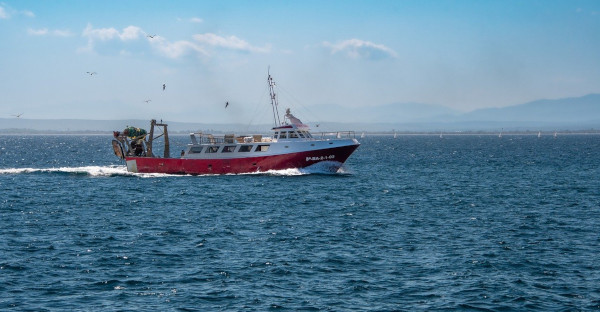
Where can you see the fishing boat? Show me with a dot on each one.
(289, 145)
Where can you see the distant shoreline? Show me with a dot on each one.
(4, 132)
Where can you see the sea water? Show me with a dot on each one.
(463, 222)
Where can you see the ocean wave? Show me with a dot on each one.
(323, 167)
(326, 167)
(283, 172)
(94, 171)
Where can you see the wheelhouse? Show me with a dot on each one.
(291, 134)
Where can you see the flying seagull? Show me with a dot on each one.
(18, 115)
(226, 104)
(150, 36)
(148, 101)
(92, 73)
(164, 86)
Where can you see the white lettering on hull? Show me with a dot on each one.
(317, 158)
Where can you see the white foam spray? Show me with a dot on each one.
(324, 167)
(95, 171)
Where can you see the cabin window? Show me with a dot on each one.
(301, 134)
(245, 148)
(276, 134)
(262, 148)
(283, 135)
(228, 149)
(195, 149)
(293, 135)
(212, 149)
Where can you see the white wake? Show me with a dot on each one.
(324, 167)
(95, 171)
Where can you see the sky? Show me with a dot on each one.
(462, 55)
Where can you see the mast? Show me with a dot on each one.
(274, 103)
(151, 138)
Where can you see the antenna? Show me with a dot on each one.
(274, 103)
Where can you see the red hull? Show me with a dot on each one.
(238, 165)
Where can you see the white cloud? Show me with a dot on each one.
(202, 42)
(191, 20)
(62, 33)
(100, 33)
(3, 13)
(130, 33)
(45, 31)
(37, 32)
(104, 34)
(6, 12)
(356, 48)
(231, 42)
(199, 46)
(28, 13)
(175, 49)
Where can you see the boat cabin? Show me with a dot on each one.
(290, 132)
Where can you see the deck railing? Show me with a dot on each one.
(203, 138)
(338, 135)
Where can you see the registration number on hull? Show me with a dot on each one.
(316, 158)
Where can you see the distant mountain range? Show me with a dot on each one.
(570, 110)
(577, 113)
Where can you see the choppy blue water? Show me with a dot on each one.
(413, 223)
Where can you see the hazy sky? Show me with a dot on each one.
(460, 54)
